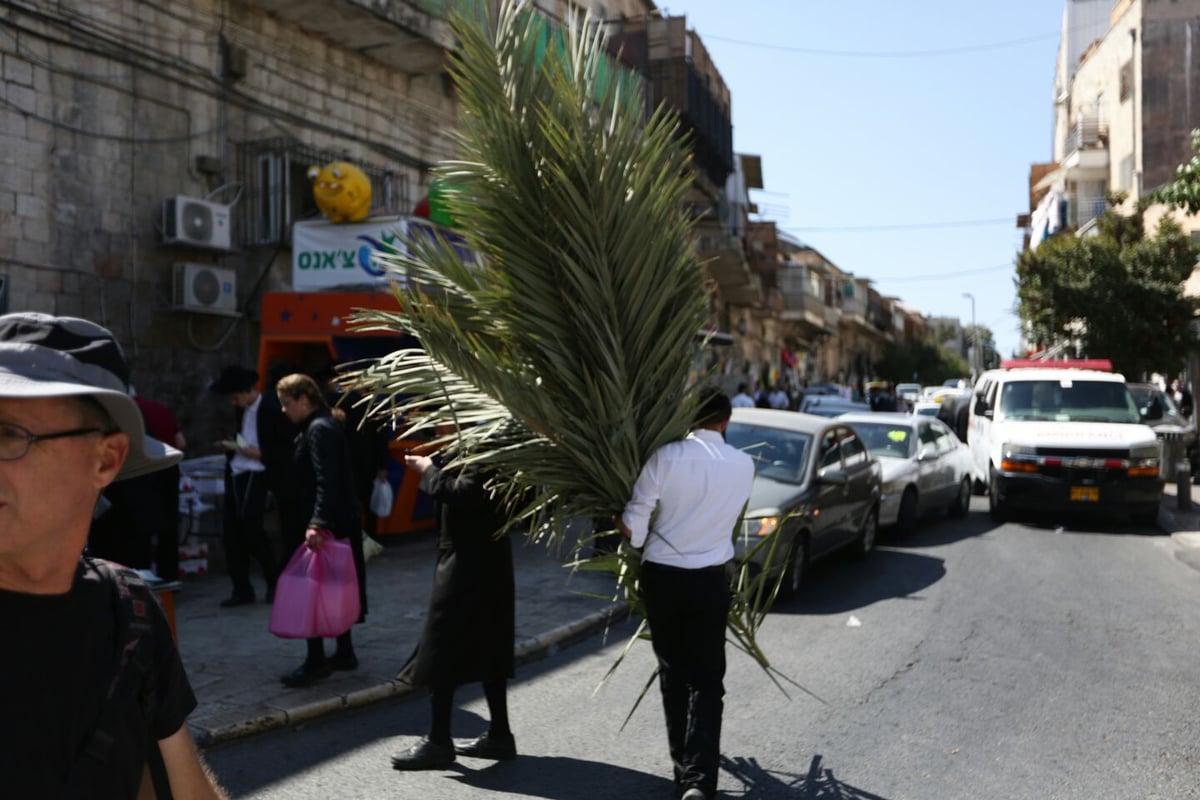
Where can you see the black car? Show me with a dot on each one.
(816, 488)
(1177, 432)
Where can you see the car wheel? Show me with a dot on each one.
(797, 564)
(868, 534)
(997, 507)
(962, 503)
(906, 520)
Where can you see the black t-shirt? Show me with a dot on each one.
(58, 654)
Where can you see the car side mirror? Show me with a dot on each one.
(981, 406)
(833, 475)
(927, 452)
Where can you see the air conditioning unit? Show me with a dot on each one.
(207, 289)
(196, 222)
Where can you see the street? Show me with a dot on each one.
(1023, 660)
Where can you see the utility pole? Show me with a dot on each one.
(974, 352)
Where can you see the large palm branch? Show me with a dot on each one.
(557, 345)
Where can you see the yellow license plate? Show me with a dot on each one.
(1085, 494)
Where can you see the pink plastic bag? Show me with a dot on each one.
(317, 593)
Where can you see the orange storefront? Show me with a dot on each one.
(308, 332)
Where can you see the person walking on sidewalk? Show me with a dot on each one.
(469, 630)
(257, 460)
(700, 486)
(93, 692)
(322, 483)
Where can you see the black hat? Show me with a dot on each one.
(234, 378)
(46, 356)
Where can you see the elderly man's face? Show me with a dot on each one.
(47, 495)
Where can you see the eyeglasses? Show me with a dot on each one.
(15, 440)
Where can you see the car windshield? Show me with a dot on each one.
(1142, 395)
(1066, 400)
(778, 454)
(884, 439)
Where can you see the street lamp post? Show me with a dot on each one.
(974, 336)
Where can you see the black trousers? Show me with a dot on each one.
(687, 611)
(245, 538)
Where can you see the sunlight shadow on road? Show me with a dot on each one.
(758, 783)
(838, 585)
(561, 778)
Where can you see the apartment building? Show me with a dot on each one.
(1126, 98)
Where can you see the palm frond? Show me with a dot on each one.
(559, 348)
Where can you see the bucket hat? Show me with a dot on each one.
(47, 356)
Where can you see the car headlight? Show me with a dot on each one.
(759, 526)
(893, 487)
(1143, 451)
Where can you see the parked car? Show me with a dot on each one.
(816, 488)
(925, 467)
(830, 405)
(925, 409)
(1176, 432)
(910, 393)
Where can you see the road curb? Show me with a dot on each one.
(526, 650)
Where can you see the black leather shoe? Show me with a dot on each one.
(497, 748)
(306, 674)
(343, 661)
(237, 600)
(424, 755)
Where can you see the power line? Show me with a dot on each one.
(943, 51)
(905, 227)
(938, 276)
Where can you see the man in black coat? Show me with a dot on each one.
(258, 460)
(469, 630)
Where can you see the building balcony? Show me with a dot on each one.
(411, 36)
(679, 73)
(1082, 209)
(804, 309)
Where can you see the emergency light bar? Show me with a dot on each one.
(1100, 364)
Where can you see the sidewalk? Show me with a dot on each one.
(234, 662)
(1182, 524)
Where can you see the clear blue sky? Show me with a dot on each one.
(894, 138)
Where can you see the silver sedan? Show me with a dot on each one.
(925, 467)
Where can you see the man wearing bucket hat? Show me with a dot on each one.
(93, 690)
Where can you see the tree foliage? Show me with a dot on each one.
(1119, 293)
(1184, 189)
(923, 358)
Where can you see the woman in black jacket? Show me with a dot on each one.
(322, 485)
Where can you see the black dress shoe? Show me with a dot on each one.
(424, 755)
(497, 748)
(237, 600)
(306, 674)
(343, 661)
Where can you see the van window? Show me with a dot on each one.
(1066, 400)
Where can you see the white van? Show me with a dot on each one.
(1054, 436)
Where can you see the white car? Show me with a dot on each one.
(925, 467)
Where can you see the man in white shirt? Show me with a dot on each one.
(700, 486)
(263, 436)
(779, 398)
(742, 399)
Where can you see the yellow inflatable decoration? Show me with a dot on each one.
(342, 191)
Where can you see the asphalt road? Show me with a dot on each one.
(1020, 661)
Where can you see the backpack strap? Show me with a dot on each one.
(132, 675)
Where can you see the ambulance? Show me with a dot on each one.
(1063, 436)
